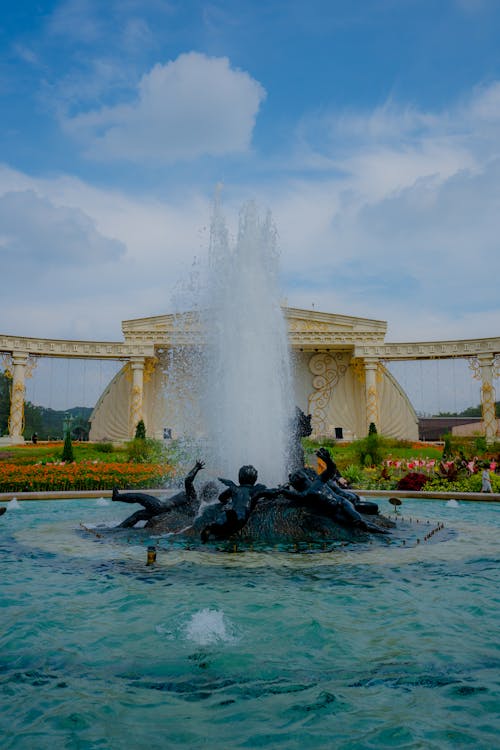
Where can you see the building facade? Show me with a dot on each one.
(339, 364)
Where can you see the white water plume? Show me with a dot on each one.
(248, 401)
(209, 626)
(233, 375)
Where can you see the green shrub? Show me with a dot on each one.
(370, 451)
(352, 473)
(140, 430)
(447, 448)
(144, 451)
(104, 447)
(480, 444)
(67, 453)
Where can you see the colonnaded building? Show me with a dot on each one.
(340, 373)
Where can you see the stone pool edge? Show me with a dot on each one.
(89, 494)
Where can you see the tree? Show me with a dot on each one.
(370, 451)
(372, 429)
(447, 450)
(4, 403)
(140, 430)
(33, 421)
(67, 454)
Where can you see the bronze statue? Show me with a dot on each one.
(310, 507)
(153, 506)
(238, 501)
(317, 491)
(300, 427)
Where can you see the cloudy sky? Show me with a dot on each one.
(369, 128)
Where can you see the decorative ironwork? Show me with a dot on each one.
(136, 405)
(6, 364)
(358, 369)
(150, 365)
(488, 409)
(16, 418)
(371, 405)
(475, 367)
(496, 366)
(30, 365)
(327, 370)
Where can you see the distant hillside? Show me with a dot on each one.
(47, 423)
(472, 411)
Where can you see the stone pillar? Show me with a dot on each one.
(137, 366)
(487, 396)
(371, 394)
(16, 418)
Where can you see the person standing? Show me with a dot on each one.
(485, 479)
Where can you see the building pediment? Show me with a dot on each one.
(308, 329)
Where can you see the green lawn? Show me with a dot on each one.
(345, 454)
(32, 454)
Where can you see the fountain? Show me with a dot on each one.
(139, 638)
(241, 392)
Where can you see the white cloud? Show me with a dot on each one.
(190, 107)
(404, 234)
(84, 258)
(37, 232)
(75, 20)
(407, 228)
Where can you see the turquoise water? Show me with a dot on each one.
(374, 646)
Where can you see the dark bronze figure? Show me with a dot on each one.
(317, 491)
(238, 501)
(300, 427)
(153, 506)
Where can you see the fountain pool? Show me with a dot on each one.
(371, 646)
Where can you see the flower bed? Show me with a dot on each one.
(86, 475)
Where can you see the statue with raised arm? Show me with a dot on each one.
(153, 506)
(237, 501)
(316, 491)
(339, 485)
(307, 508)
(300, 427)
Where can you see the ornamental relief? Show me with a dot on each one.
(488, 409)
(16, 418)
(314, 326)
(328, 369)
(136, 405)
(372, 405)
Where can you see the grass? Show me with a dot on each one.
(51, 452)
(34, 468)
(119, 461)
(345, 454)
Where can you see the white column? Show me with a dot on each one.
(488, 396)
(16, 418)
(137, 366)
(371, 394)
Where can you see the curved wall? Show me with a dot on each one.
(342, 403)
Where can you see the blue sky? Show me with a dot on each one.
(370, 129)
